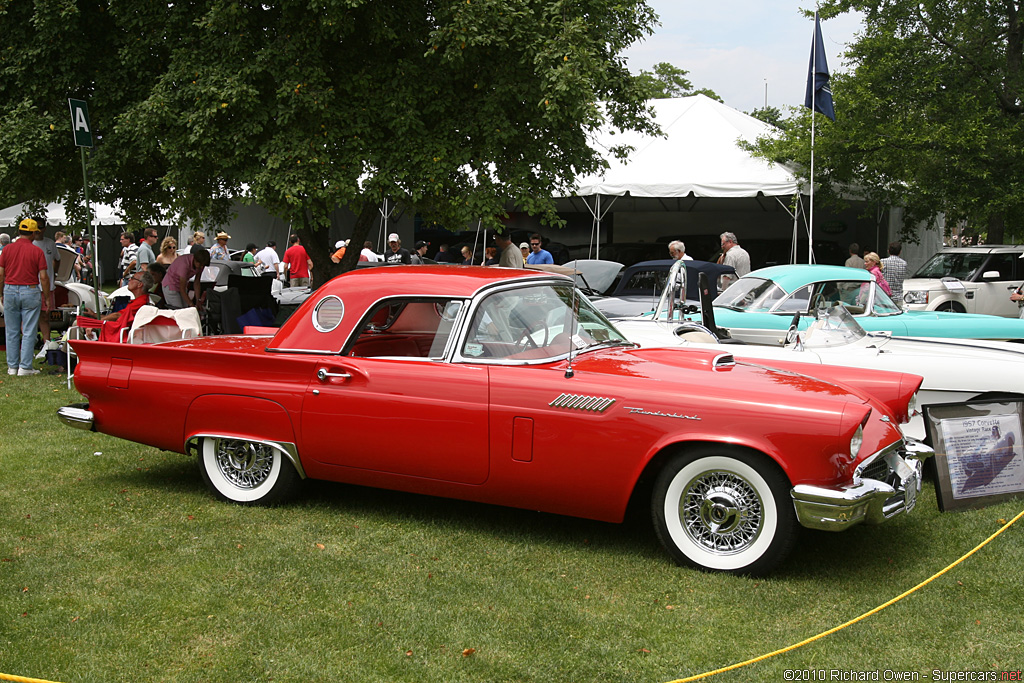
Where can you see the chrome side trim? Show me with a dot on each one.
(596, 404)
(289, 450)
(77, 415)
(865, 500)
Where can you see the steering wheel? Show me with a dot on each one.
(793, 331)
(526, 338)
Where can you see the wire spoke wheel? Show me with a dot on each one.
(243, 463)
(721, 512)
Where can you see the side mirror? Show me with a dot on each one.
(991, 275)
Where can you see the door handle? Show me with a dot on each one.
(323, 375)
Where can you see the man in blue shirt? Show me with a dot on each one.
(538, 255)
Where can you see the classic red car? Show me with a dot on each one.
(548, 405)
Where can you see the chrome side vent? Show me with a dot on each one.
(595, 404)
(723, 361)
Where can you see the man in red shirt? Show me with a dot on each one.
(298, 262)
(22, 275)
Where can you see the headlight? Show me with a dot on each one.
(915, 297)
(913, 407)
(856, 442)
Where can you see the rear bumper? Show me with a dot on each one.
(891, 490)
(77, 415)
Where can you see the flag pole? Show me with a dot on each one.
(814, 62)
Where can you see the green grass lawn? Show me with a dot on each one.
(117, 565)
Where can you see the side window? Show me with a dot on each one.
(407, 328)
(1003, 263)
(797, 301)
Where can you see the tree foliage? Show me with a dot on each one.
(667, 81)
(453, 106)
(929, 118)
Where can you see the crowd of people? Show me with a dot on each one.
(161, 276)
(888, 273)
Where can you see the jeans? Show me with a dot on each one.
(22, 304)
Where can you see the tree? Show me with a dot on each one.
(670, 81)
(455, 107)
(770, 115)
(930, 117)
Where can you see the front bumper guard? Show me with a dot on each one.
(77, 415)
(867, 500)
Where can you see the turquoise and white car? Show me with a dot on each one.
(759, 307)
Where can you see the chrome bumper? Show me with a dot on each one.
(77, 415)
(867, 500)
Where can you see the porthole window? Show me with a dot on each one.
(328, 314)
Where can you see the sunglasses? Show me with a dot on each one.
(534, 244)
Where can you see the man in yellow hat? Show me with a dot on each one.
(220, 250)
(22, 276)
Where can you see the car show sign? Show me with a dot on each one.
(979, 453)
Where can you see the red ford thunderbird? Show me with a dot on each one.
(554, 410)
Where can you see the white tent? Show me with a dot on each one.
(105, 214)
(697, 156)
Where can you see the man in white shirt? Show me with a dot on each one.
(368, 252)
(269, 258)
(733, 254)
(677, 250)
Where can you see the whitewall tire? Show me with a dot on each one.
(724, 509)
(246, 472)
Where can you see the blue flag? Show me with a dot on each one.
(819, 93)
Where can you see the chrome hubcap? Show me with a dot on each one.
(721, 512)
(244, 464)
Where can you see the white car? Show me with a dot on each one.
(968, 280)
(953, 370)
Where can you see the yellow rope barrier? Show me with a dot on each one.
(22, 679)
(851, 622)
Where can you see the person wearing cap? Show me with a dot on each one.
(417, 256)
(537, 254)
(250, 257)
(397, 254)
(340, 247)
(220, 250)
(510, 257)
(524, 247)
(298, 263)
(22, 276)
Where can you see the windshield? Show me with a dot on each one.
(751, 294)
(833, 327)
(962, 266)
(536, 322)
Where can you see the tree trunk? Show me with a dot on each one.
(996, 229)
(364, 221)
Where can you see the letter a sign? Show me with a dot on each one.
(80, 126)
